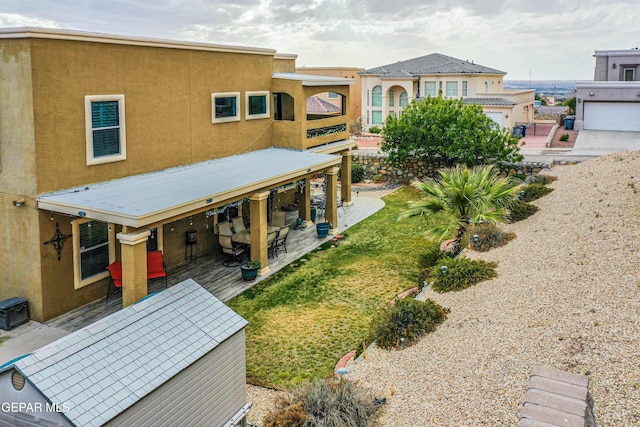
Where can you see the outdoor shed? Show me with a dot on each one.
(173, 358)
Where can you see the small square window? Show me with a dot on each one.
(105, 129)
(225, 107)
(257, 105)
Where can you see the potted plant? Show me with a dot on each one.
(322, 228)
(250, 270)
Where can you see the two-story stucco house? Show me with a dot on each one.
(387, 89)
(612, 100)
(111, 146)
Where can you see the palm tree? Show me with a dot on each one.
(460, 197)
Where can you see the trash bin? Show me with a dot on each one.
(524, 130)
(517, 130)
(568, 122)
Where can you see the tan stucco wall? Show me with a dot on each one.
(355, 90)
(167, 102)
(19, 232)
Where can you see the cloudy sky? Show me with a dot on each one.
(537, 39)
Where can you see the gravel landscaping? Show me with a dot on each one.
(566, 296)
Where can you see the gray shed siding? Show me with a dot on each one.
(30, 395)
(207, 393)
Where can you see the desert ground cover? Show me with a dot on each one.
(567, 295)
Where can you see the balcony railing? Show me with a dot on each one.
(326, 130)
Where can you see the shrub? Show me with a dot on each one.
(490, 236)
(521, 210)
(535, 191)
(375, 129)
(543, 179)
(286, 414)
(462, 273)
(405, 322)
(564, 137)
(378, 178)
(357, 172)
(328, 403)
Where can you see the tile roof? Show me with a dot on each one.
(106, 367)
(319, 105)
(489, 101)
(434, 63)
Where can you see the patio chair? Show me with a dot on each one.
(156, 267)
(224, 229)
(115, 271)
(272, 238)
(278, 219)
(231, 249)
(281, 240)
(238, 224)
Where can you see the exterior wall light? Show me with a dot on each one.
(18, 203)
(591, 93)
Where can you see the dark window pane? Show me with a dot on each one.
(93, 233)
(94, 261)
(226, 107)
(106, 142)
(104, 114)
(257, 104)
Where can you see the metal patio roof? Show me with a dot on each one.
(144, 199)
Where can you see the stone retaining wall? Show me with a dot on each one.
(376, 168)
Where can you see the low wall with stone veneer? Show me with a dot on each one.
(375, 163)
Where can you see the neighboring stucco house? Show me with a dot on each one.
(111, 146)
(174, 358)
(612, 100)
(355, 105)
(387, 89)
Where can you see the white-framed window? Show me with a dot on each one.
(93, 251)
(333, 95)
(430, 89)
(629, 74)
(452, 89)
(404, 99)
(105, 129)
(376, 117)
(225, 107)
(376, 100)
(257, 105)
(465, 85)
(392, 98)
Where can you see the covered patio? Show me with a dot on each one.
(225, 282)
(158, 203)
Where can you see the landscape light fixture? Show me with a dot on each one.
(475, 238)
(444, 270)
(342, 371)
(521, 195)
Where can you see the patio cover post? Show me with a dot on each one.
(133, 254)
(304, 207)
(331, 206)
(258, 212)
(345, 178)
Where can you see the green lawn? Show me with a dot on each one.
(303, 319)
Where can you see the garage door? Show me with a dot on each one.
(612, 116)
(496, 117)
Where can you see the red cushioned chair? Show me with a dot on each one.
(115, 270)
(156, 267)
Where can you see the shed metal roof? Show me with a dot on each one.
(141, 200)
(489, 101)
(311, 80)
(104, 368)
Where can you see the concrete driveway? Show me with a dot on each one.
(601, 142)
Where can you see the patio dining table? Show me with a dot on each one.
(244, 237)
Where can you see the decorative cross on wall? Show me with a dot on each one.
(57, 241)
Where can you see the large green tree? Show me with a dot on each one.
(462, 196)
(449, 130)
